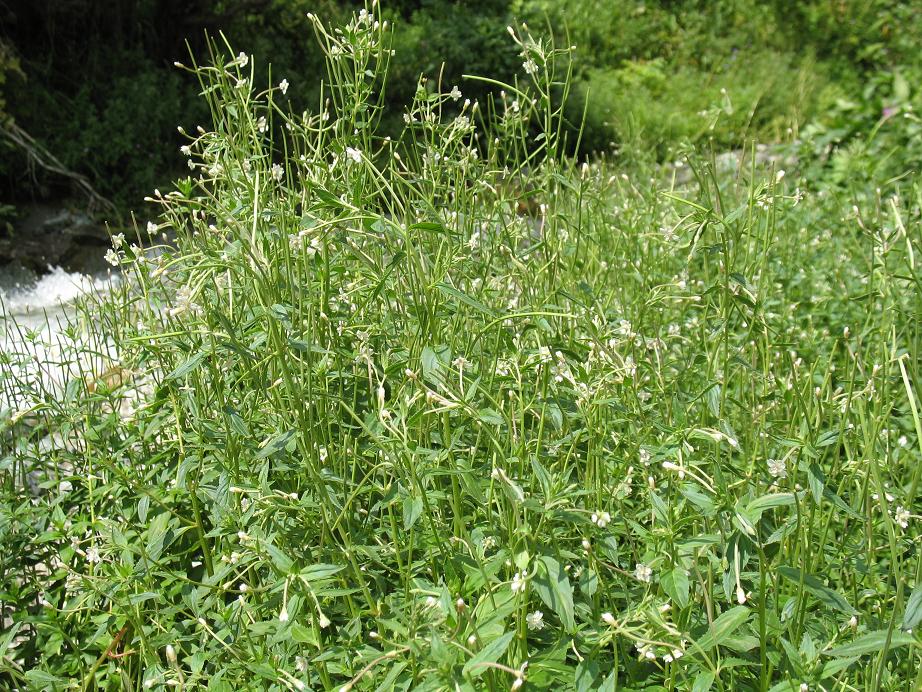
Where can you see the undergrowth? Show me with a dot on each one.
(450, 411)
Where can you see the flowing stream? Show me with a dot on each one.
(33, 314)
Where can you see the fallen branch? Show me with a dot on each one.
(44, 159)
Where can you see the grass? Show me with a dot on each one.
(451, 411)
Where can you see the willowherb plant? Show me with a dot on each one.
(449, 411)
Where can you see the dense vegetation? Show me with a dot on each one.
(408, 397)
(97, 87)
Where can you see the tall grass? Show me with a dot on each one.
(450, 411)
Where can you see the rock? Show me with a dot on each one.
(48, 236)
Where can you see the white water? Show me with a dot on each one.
(29, 303)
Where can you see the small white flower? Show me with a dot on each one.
(118, 240)
(92, 555)
(112, 257)
(242, 59)
(323, 621)
(601, 519)
(643, 573)
(283, 616)
(530, 66)
(609, 619)
(241, 83)
(185, 150)
(151, 228)
(277, 172)
(354, 155)
(777, 469)
(283, 86)
(901, 516)
(535, 620)
(455, 93)
(261, 124)
(518, 582)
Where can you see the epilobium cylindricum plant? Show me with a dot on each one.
(450, 411)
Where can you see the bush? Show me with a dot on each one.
(448, 410)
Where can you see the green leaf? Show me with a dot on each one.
(453, 292)
(281, 561)
(187, 365)
(302, 634)
(319, 572)
(827, 596)
(760, 504)
(45, 681)
(703, 681)
(490, 416)
(553, 587)
(433, 361)
(675, 584)
(276, 444)
(872, 642)
(817, 482)
(913, 614)
(724, 627)
(412, 509)
(712, 396)
(491, 653)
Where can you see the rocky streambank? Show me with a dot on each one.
(46, 236)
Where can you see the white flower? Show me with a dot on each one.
(118, 240)
(92, 555)
(323, 621)
(455, 93)
(261, 124)
(283, 86)
(777, 469)
(518, 582)
(283, 616)
(609, 619)
(242, 59)
(111, 257)
(601, 519)
(151, 228)
(186, 150)
(354, 154)
(643, 573)
(901, 516)
(535, 620)
(241, 83)
(277, 172)
(530, 66)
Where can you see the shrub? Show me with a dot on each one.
(447, 410)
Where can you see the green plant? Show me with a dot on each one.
(371, 422)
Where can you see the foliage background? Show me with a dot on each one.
(95, 82)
